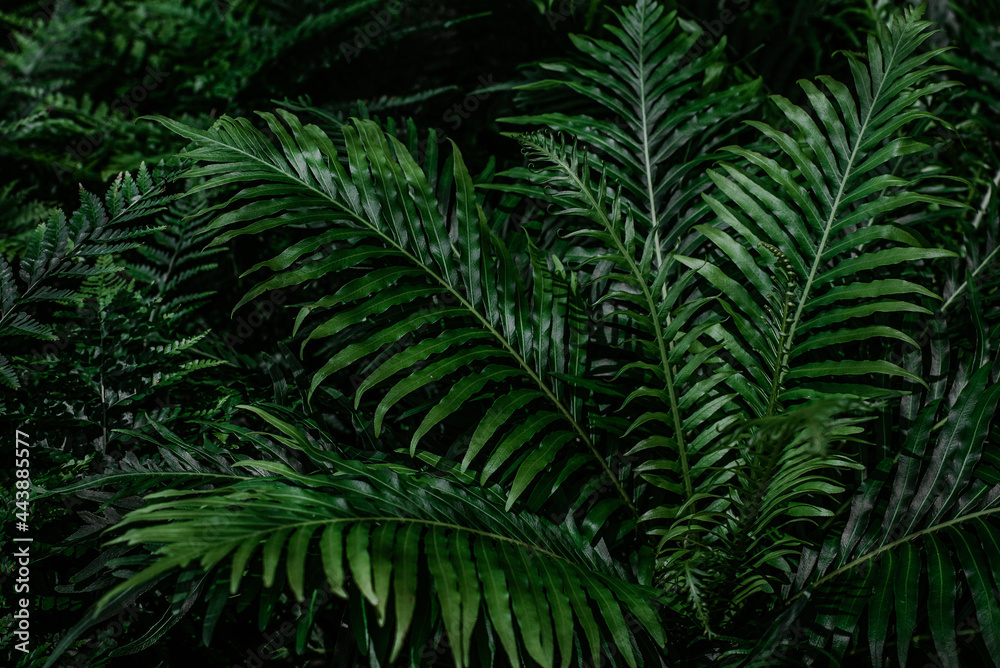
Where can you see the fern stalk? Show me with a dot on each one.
(597, 207)
(889, 547)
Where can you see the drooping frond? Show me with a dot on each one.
(411, 268)
(385, 528)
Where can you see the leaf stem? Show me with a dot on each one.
(204, 137)
(598, 208)
(871, 555)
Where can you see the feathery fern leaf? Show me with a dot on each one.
(395, 236)
(480, 559)
(176, 255)
(659, 128)
(814, 202)
(58, 248)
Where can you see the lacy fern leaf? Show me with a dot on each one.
(58, 248)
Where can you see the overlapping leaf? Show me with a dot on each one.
(458, 310)
(922, 524)
(657, 117)
(58, 248)
(819, 201)
(374, 525)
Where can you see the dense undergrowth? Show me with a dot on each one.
(657, 336)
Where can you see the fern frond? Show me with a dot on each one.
(7, 375)
(814, 201)
(702, 490)
(176, 254)
(639, 296)
(658, 118)
(922, 519)
(394, 235)
(372, 525)
(57, 246)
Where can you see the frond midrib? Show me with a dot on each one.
(834, 210)
(563, 410)
(584, 189)
(888, 546)
(378, 518)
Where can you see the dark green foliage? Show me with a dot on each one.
(59, 247)
(706, 375)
